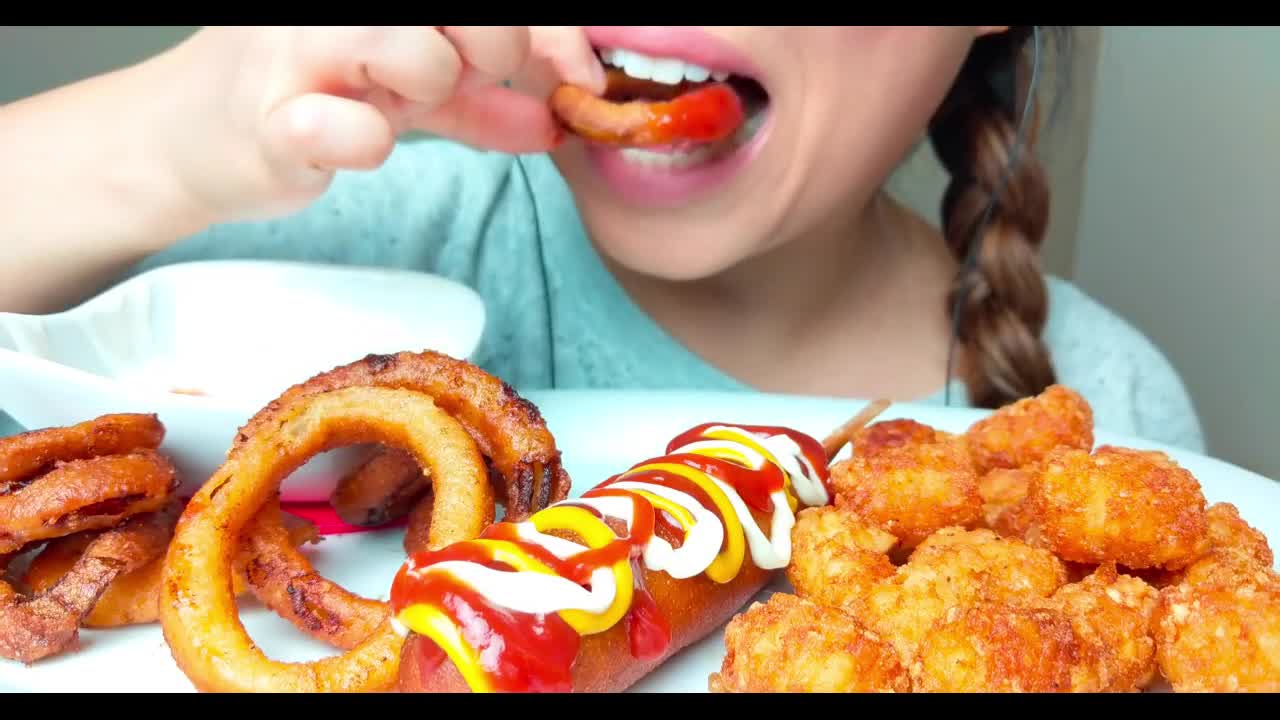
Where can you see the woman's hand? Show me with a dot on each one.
(264, 117)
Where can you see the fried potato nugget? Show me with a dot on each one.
(910, 489)
(951, 569)
(790, 644)
(1136, 508)
(1221, 636)
(1235, 549)
(1111, 615)
(994, 647)
(1025, 432)
(886, 434)
(836, 556)
(1003, 492)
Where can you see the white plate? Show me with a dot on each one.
(600, 433)
(241, 331)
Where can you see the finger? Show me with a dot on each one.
(494, 118)
(310, 136)
(567, 49)
(417, 63)
(495, 52)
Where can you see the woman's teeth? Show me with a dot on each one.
(668, 71)
(699, 155)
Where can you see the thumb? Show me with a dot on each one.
(308, 137)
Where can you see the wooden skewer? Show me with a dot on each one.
(836, 441)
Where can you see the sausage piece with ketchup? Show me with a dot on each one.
(592, 593)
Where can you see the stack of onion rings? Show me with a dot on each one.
(457, 422)
(103, 481)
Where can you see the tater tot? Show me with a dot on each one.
(1003, 491)
(1220, 636)
(836, 556)
(789, 644)
(911, 490)
(955, 568)
(1235, 549)
(895, 433)
(1026, 431)
(990, 648)
(1111, 615)
(1134, 508)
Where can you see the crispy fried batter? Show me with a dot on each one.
(1003, 491)
(47, 623)
(381, 490)
(417, 536)
(1221, 636)
(30, 454)
(912, 489)
(508, 429)
(895, 433)
(789, 644)
(956, 568)
(1024, 432)
(994, 647)
(1235, 549)
(198, 612)
(84, 495)
(1111, 615)
(282, 578)
(1135, 508)
(836, 556)
(133, 598)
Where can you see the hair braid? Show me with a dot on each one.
(999, 292)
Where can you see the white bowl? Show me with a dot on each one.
(240, 333)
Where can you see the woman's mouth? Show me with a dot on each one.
(639, 77)
(708, 124)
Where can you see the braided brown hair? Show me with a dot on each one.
(998, 302)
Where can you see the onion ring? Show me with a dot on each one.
(417, 537)
(43, 625)
(508, 429)
(134, 597)
(198, 611)
(85, 495)
(706, 114)
(282, 578)
(382, 490)
(30, 454)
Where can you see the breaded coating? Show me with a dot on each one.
(1220, 636)
(994, 647)
(1003, 491)
(1025, 432)
(836, 556)
(1235, 548)
(789, 644)
(1111, 615)
(956, 568)
(886, 434)
(911, 490)
(1135, 508)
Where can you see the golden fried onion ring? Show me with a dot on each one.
(198, 611)
(282, 578)
(43, 625)
(133, 598)
(508, 429)
(33, 453)
(81, 495)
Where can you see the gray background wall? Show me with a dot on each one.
(1163, 160)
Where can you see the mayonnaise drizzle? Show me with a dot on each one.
(535, 593)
